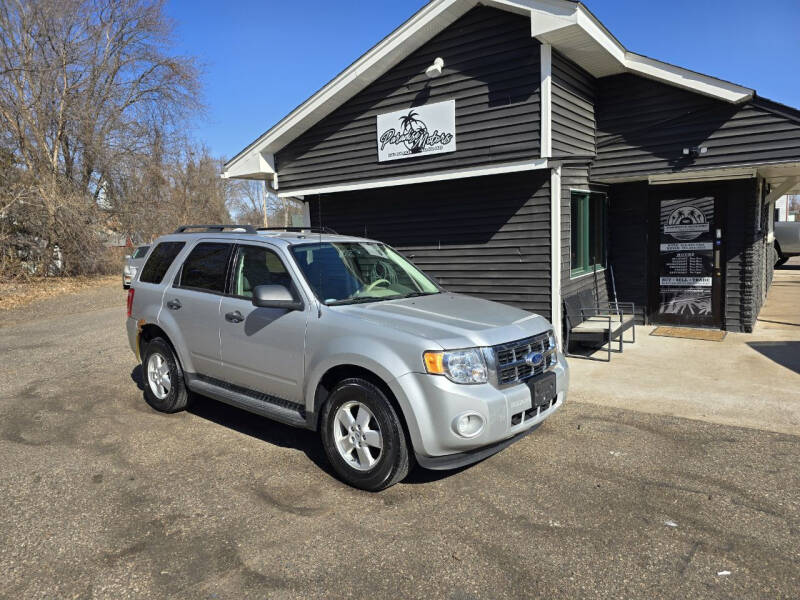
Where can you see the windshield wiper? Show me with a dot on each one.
(417, 294)
(358, 300)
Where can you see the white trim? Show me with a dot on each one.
(582, 275)
(384, 55)
(702, 176)
(528, 165)
(782, 189)
(571, 23)
(684, 78)
(555, 251)
(546, 117)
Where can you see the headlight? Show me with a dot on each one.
(460, 366)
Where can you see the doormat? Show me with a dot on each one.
(709, 335)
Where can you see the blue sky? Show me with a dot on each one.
(263, 58)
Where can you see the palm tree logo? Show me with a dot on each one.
(687, 215)
(414, 132)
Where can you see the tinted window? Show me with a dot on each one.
(140, 252)
(159, 262)
(257, 266)
(205, 267)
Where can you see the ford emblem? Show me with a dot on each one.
(534, 359)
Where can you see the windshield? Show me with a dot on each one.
(140, 252)
(354, 272)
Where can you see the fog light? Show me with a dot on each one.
(468, 425)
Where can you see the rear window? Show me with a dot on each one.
(140, 252)
(160, 260)
(205, 267)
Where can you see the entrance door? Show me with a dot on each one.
(687, 282)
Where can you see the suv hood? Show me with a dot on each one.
(452, 320)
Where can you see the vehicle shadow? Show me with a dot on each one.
(252, 425)
(272, 432)
(786, 354)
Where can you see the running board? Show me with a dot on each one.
(251, 401)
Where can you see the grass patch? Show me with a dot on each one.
(21, 292)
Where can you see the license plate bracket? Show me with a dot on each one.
(542, 388)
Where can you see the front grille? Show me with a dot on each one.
(534, 411)
(510, 359)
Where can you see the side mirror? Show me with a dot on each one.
(275, 296)
(127, 257)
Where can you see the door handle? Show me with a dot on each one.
(174, 304)
(234, 317)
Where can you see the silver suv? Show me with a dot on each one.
(342, 335)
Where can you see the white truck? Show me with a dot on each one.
(787, 240)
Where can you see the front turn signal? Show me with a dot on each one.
(434, 362)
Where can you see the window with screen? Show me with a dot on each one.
(587, 232)
(160, 260)
(205, 267)
(254, 266)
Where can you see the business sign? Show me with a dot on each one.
(419, 131)
(686, 256)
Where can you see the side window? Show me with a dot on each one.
(205, 267)
(140, 252)
(159, 262)
(587, 232)
(255, 265)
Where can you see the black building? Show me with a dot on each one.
(519, 153)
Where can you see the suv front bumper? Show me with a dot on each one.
(436, 403)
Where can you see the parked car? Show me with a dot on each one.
(345, 336)
(787, 240)
(133, 262)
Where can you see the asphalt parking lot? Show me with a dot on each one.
(104, 498)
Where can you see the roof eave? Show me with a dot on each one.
(568, 25)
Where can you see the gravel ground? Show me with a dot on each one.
(104, 498)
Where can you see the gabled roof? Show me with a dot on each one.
(565, 24)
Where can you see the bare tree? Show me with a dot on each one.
(247, 201)
(93, 104)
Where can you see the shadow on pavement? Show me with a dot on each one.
(786, 354)
(278, 434)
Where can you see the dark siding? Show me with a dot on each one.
(573, 100)
(491, 70)
(576, 177)
(643, 126)
(628, 243)
(744, 251)
(484, 236)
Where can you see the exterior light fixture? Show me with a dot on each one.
(436, 68)
(695, 151)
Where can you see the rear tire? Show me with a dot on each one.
(164, 386)
(363, 436)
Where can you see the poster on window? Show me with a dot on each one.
(687, 257)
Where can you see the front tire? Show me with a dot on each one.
(363, 436)
(164, 386)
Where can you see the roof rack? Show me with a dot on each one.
(218, 228)
(300, 229)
